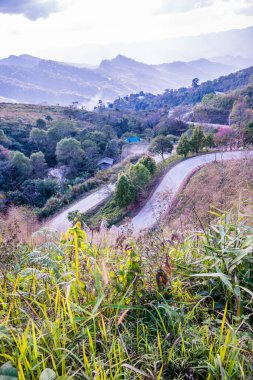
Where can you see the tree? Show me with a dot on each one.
(209, 141)
(4, 139)
(239, 117)
(224, 136)
(183, 147)
(149, 134)
(39, 164)
(21, 166)
(161, 145)
(61, 129)
(39, 138)
(91, 155)
(37, 192)
(70, 153)
(195, 82)
(40, 123)
(149, 163)
(125, 192)
(49, 118)
(113, 148)
(139, 176)
(100, 139)
(58, 131)
(248, 138)
(197, 139)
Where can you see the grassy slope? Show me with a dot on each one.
(130, 310)
(29, 113)
(223, 185)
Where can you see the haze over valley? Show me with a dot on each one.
(29, 79)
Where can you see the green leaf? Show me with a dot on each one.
(221, 276)
(4, 333)
(134, 369)
(8, 372)
(247, 291)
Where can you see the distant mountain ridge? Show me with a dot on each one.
(236, 43)
(239, 81)
(29, 79)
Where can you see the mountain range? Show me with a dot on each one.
(29, 79)
(235, 45)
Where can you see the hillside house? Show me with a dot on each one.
(105, 163)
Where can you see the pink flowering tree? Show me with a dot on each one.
(225, 137)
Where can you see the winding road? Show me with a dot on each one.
(61, 223)
(161, 199)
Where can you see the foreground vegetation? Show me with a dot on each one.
(156, 307)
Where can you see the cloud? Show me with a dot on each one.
(31, 9)
(182, 6)
(245, 7)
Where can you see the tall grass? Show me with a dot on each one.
(155, 308)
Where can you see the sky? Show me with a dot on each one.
(56, 28)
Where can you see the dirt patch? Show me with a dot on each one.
(129, 150)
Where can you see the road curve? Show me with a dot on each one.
(171, 183)
(159, 201)
(61, 223)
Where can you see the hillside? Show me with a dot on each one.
(223, 184)
(185, 96)
(217, 108)
(49, 155)
(28, 79)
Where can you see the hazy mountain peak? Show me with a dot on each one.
(120, 61)
(30, 79)
(23, 60)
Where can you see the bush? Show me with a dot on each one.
(149, 163)
(125, 192)
(139, 175)
(83, 187)
(53, 204)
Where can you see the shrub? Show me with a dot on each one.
(149, 163)
(125, 192)
(139, 175)
(53, 204)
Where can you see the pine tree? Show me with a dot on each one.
(125, 192)
(183, 147)
(197, 139)
(139, 175)
(149, 163)
(209, 141)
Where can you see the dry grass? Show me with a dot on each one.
(28, 113)
(20, 219)
(218, 186)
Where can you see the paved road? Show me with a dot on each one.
(61, 223)
(160, 200)
(208, 124)
(171, 183)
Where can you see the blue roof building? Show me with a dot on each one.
(133, 139)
